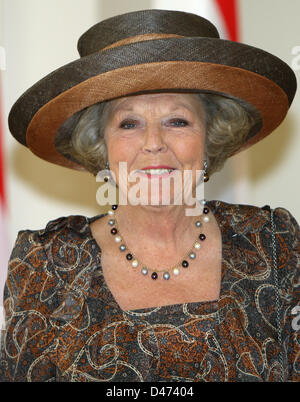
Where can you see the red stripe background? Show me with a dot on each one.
(229, 11)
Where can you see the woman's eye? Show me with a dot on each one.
(128, 124)
(179, 122)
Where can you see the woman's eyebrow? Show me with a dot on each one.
(180, 108)
(131, 109)
(125, 109)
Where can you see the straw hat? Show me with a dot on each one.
(151, 51)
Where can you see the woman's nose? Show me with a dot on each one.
(154, 140)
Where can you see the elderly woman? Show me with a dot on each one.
(155, 290)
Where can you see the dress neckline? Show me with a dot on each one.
(205, 307)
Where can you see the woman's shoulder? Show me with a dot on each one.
(61, 239)
(246, 218)
(265, 234)
(29, 240)
(55, 255)
(66, 227)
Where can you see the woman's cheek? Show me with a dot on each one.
(189, 150)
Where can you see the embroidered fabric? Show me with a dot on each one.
(63, 323)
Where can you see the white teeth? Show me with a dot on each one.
(157, 171)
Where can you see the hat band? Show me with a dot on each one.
(141, 38)
(263, 94)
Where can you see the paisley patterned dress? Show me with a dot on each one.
(63, 323)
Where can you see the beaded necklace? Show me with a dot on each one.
(135, 263)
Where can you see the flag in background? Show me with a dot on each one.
(223, 14)
(229, 12)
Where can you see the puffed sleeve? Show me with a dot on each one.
(28, 339)
(288, 239)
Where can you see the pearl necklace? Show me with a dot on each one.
(135, 263)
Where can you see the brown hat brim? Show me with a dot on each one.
(252, 76)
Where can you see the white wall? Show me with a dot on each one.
(41, 35)
(267, 173)
(273, 173)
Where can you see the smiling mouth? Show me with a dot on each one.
(159, 172)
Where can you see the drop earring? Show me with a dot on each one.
(107, 177)
(205, 175)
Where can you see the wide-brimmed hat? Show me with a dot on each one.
(151, 51)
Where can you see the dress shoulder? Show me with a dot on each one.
(252, 230)
(45, 269)
(287, 236)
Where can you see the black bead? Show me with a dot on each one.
(113, 231)
(205, 210)
(114, 207)
(154, 275)
(202, 236)
(129, 256)
(185, 264)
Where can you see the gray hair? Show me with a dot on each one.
(227, 126)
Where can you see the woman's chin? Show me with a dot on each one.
(156, 200)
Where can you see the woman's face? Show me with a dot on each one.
(164, 132)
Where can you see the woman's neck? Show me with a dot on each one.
(162, 226)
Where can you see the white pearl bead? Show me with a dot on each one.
(110, 212)
(206, 219)
(118, 239)
(135, 263)
(197, 245)
(176, 271)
